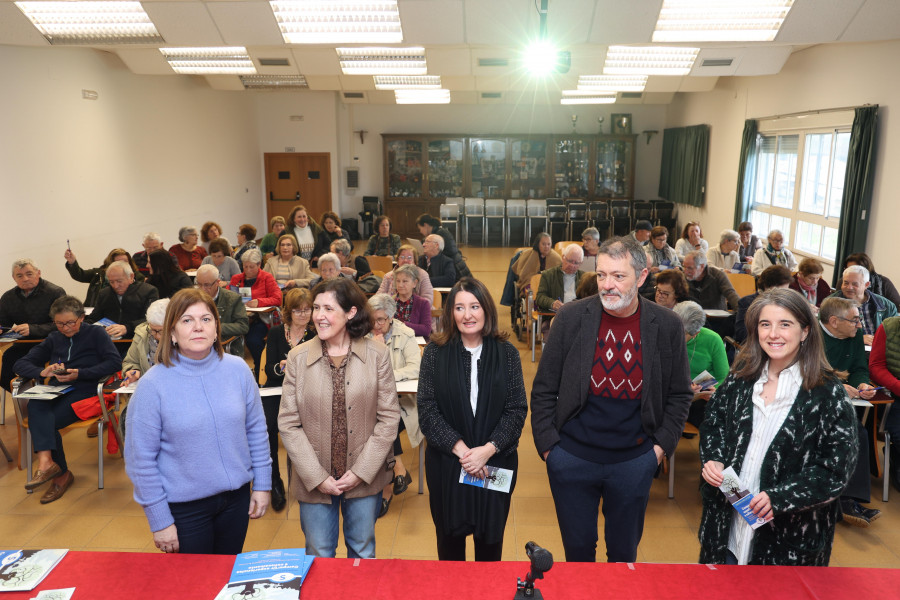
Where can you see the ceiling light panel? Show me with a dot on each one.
(422, 96)
(649, 60)
(382, 61)
(69, 23)
(612, 83)
(210, 61)
(274, 82)
(406, 82)
(720, 20)
(580, 97)
(337, 22)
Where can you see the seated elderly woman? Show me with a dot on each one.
(343, 250)
(189, 254)
(166, 277)
(660, 255)
(209, 232)
(75, 355)
(383, 243)
(96, 278)
(725, 255)
(289, 270)
(269, 244)
(264, 292)
(329, 268)
(220, 257)
(142, 351)
(671, 288)
(773, 253)
(245, 237)
(331, 231)
(413, 310)
(808, 281)
(706, 352)
(405, 360)
(407, 255)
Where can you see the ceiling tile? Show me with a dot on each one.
(617, 22)
(225, 82)
(763, 60)
(184, 23)
(16, 29)
(500, 22)
(323, 82)
(491, 84)
(663, 83)
(317, 61)
(448, 61)
(458, 83)
(357, 82)
(876, 20)
(246, 23)
(274, 53)
(464, 97)
(429, 22)
(381, 96)
(145, 61)
(811, 22)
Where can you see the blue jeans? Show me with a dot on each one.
(578, 486)
(320, 525)
(213, 525)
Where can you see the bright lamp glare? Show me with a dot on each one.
(541, 58)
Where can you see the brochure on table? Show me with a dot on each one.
(23, 570)
(44, 392)
(269, 574)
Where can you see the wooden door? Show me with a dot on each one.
(294, 178)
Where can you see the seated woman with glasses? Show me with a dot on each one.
(774, 253)
(142, 351)
(77, 356)
(405, 360)
(296, 328)
(407, 255)
(671, 288)
(412, 310)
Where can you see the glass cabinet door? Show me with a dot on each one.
(615, 163)
(445, 168)
(404, 167)
(528, 178)
(488, 164)
(571, 173)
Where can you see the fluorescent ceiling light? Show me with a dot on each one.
(274, 82)
(338, 22)
(612, 83)
(422, 96)
(579, 97)
(210, 61)
(92, 22)
(649, 60)
(383, 61)
(406, 82)
(720, 20)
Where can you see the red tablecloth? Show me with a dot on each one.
(127, 576)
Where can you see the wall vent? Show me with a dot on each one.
(489, 95)
(716, 62)
(353, 95)
(493, 62)
(631, 95)
(274, 62)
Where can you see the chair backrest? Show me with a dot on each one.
(556, 212)
(620, 208)
(642, 210)
(449, 212)
(577, 211)
(598, 210)
(555, 202)
(743, 283)
(495, 207)
(664, 209)
(474, 207)
(560, 246)
(536, 208)
(380, 263)
(515, 208)
(417, 244)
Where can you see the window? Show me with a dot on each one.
(799, 183)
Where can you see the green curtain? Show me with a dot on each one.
(682, 176)
(857, 199)
(746, 173)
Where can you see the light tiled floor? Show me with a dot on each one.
(109, 519)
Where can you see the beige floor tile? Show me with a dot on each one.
(125, 533)
(669, 545)
(260, 534)
(30, 504)
(70, 531)
(16, 530)
(289, 535)
(103, 502)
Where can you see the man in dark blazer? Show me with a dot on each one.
(440, 268)
(124, 302)
(232, 314)
(609, 400)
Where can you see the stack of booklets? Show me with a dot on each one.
(44, 392)
(23, 570)
(268, 574)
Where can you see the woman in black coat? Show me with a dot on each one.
(331, 231)
(166, 276)
(468, 429)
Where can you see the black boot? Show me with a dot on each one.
(278, 499)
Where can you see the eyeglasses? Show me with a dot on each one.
(301, 311)
(663, 294)
(66, 324)
(854, 320)
(381, 320)
(156, 331)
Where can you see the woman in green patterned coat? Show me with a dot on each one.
(782, 421)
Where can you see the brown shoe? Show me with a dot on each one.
(93, 430)
(56, 491)
(42, 477)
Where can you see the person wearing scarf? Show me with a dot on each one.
(472, 406)
(774, 253)
(808, 281)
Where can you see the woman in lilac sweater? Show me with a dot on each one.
(197, 437)
(412, 310)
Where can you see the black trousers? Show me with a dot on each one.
(453, 547)
(271, 405)
(860, 485)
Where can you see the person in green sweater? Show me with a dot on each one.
(706, 352)
(846, 353)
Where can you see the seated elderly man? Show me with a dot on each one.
(124, 302)
(641, 232)
(709, 286)
(330, 269)
(152, 242)
(440, 269)
(232, 314)
(25, 311)
(559, 284)
(590, 243)
(873, 309)
(725, 255)
(844, 348)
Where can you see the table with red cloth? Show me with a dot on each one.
(136, 576)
